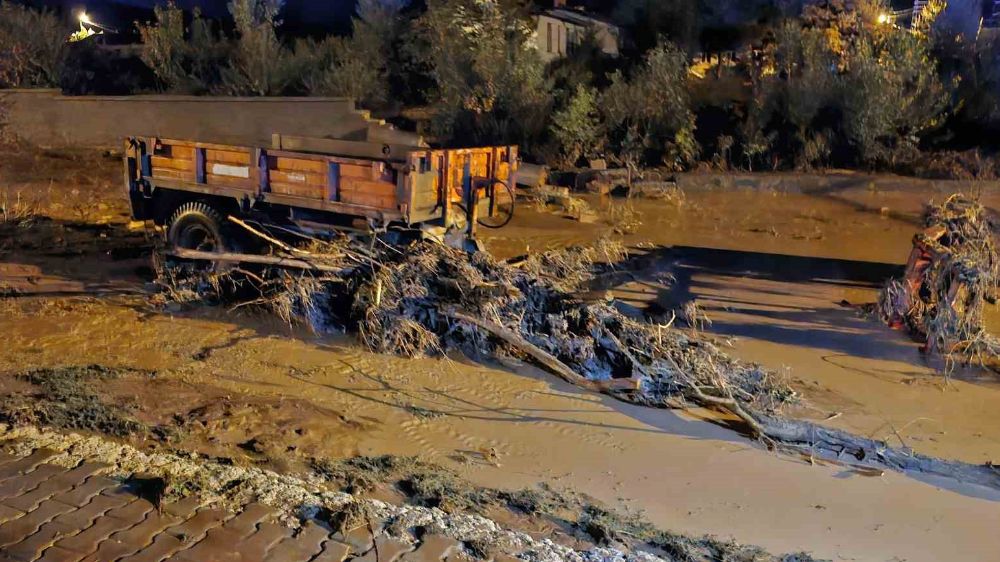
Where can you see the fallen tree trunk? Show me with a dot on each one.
(835, 444)
(544, 358)
(276, 261)
(800, 436)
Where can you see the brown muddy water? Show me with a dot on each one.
(769, 267)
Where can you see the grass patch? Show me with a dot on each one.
(64, 397)
(430, 485)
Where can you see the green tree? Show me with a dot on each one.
(892, 94)
(841, 80)
(489, 85)
(183, 60)
(649, 115)
(357, 66)
(791, 92)
(32, 47)
(259, 65)
(577, 127)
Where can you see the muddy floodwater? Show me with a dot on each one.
(775, 270)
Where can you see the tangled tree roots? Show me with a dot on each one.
(953, 272)
(427, 298)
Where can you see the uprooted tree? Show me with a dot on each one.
(953, 271)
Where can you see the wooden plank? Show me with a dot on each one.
(302, 178)
(296, 164)
(172, 174)
(357, 171)
(205, 145)
(176, 151)
(350, 185)
(229, 181)
(298, 190)
(318, 157)
(172, 163)
(228, 157)
(368, 200)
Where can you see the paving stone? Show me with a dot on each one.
(56, 554)
(220, 544)
(386, 550)
(21, 484)
(25, 464)
(88, 540)
(256, 546)
(8, 513)
(246, 522)
(163, 546)
(183, 508)
(59, 483)
(110, 550)
(19, 529)
(333, 551)
(81, 495)
(433, 548)
(143, 533)
(136, 510)
(65, 525)
(83, 517)
(7, 458)
(32, 547)
(308, 542)
(120, 490)
(360, 539)
(195, 528)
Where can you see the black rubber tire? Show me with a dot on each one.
(198, 226)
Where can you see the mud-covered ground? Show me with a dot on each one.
(770, 264)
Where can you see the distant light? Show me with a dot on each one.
(84, 18)
(884, 18)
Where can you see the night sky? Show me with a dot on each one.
(300, 16)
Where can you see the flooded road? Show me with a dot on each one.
(769, 267)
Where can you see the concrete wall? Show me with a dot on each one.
(47, 118)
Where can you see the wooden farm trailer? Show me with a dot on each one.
(191, 186)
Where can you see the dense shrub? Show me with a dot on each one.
(32, 47)
(258, 65)
(837, 87)
(357, 66)
(184, 60)
(648, 115)
(489, 82)
(577, 128)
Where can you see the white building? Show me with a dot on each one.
(560, 30)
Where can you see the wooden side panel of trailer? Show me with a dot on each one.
(426, 185)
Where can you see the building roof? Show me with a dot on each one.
(576, 17)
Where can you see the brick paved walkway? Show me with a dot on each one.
(50, 513)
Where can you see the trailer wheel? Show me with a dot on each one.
(197, 226)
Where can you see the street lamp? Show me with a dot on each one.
(85, 20)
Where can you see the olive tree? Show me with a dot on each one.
(577, 127)
(32, 47)
(184, 60)
(258, 64)
(357, 66)
(649, 114)
(489, 84)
